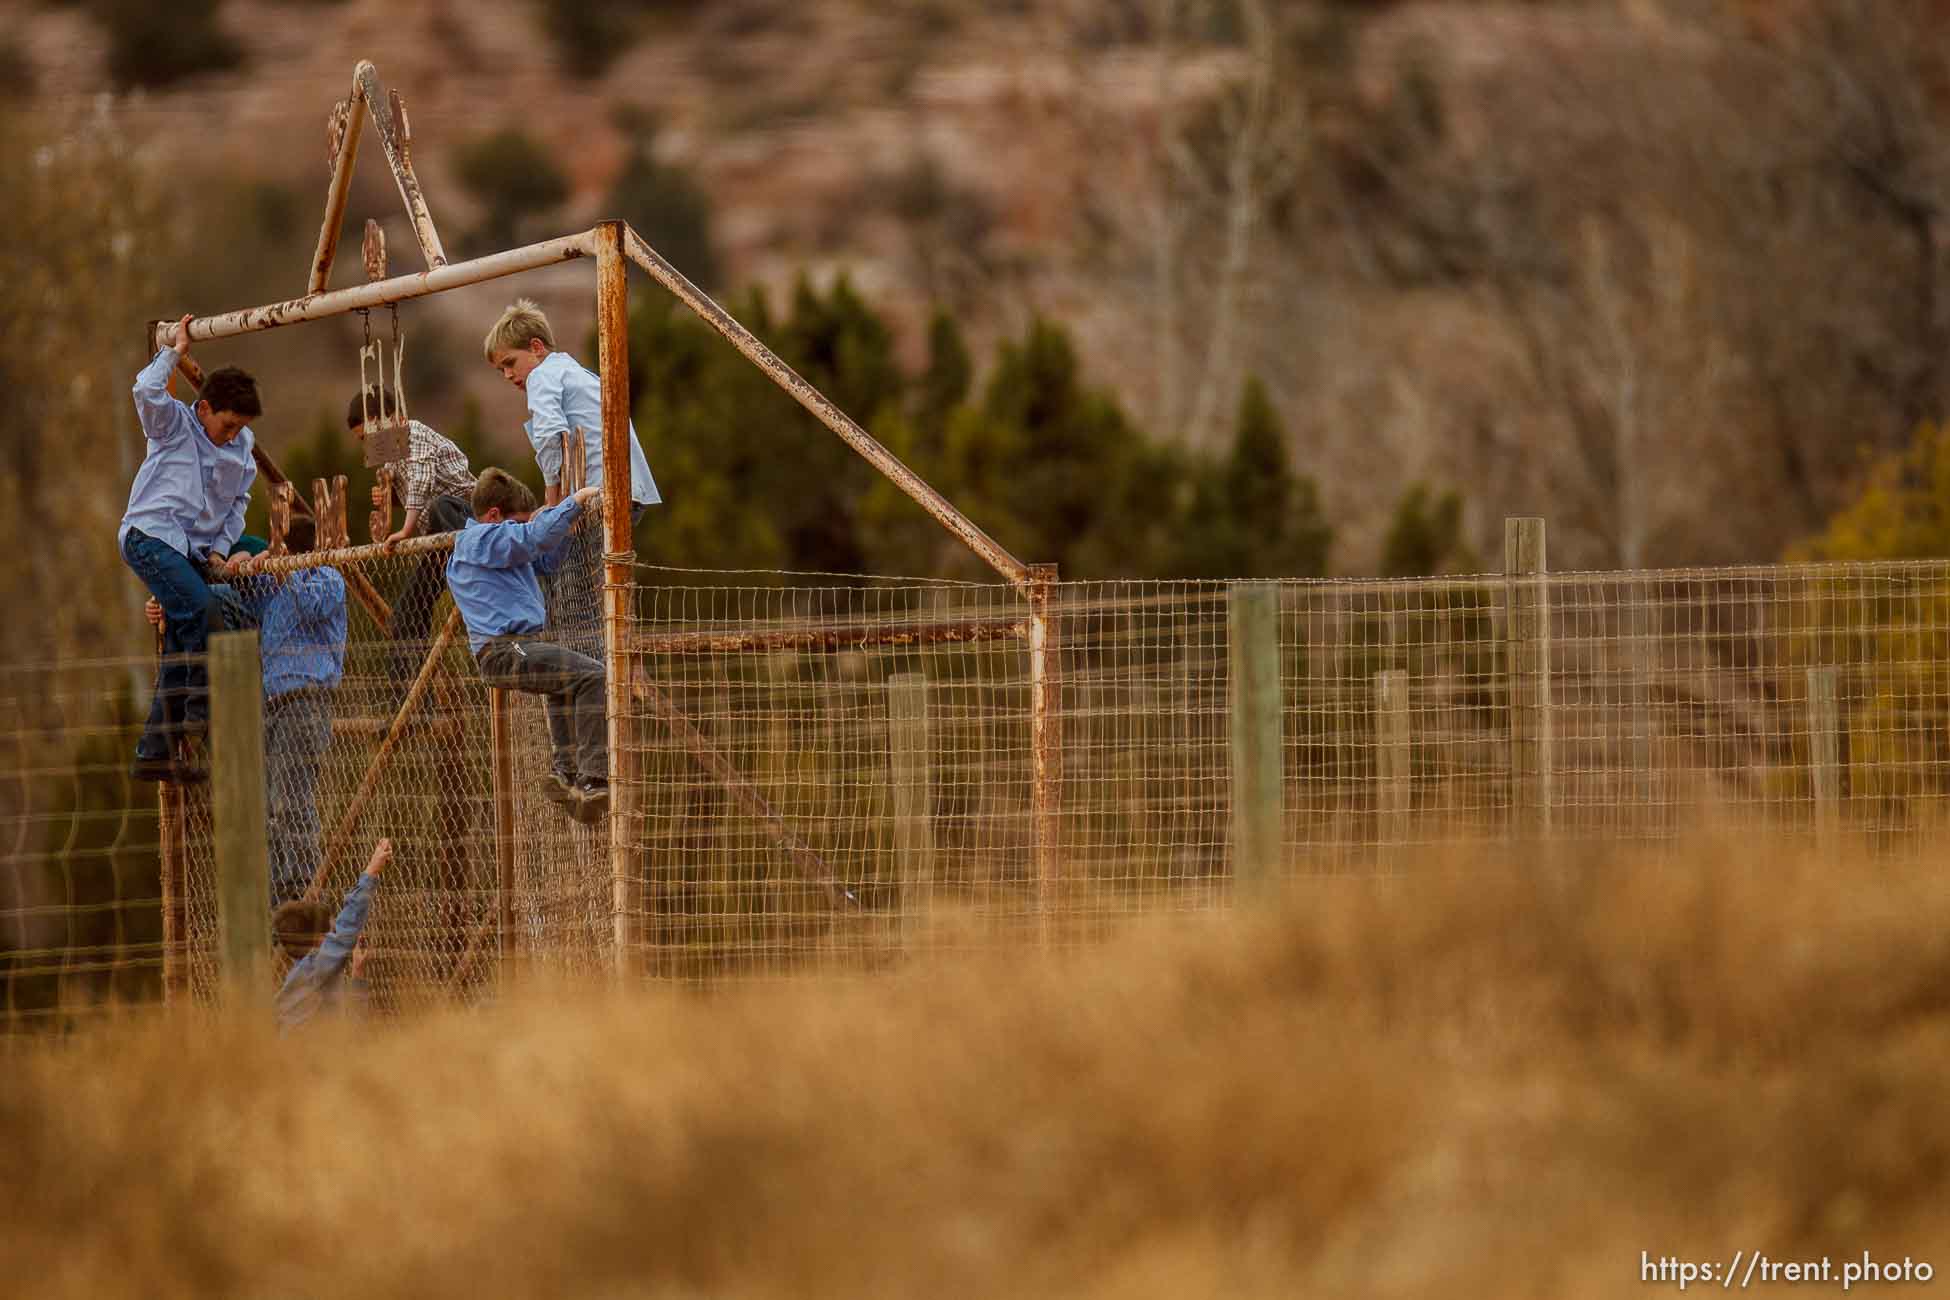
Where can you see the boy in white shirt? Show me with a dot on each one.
(564, 395)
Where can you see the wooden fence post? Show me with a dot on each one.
(1825, 752)
(908, 749)
(1529, 630)
(1255, 710)
(1393, 758)
(237, 803)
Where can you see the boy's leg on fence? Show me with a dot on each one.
(571, 685)
(182, 685)
(297, 733)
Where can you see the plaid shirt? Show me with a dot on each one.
(433, 467)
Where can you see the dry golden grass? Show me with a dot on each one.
(1479, 1078)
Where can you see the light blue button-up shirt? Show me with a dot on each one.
(563, 395)
(319, 977)
(189, 493)
(301, 622)
(492, 571)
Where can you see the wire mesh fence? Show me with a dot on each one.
(846, 775)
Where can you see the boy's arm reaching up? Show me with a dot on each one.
(548, 556)
(337, 948)
(153, 404)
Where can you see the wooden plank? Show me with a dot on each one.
(910, 776)
(1255, 708)
(1527, 596)
(1393, 791)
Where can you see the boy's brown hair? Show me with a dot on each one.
(379, 401)
(522, 321)
(497, 489)
(300, 535)
(231, 389)
(300, 926)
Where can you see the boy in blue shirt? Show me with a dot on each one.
(318, 977)
(563, 395)
(301, 617)
(186, 510)
(492, 577)
(301, 644)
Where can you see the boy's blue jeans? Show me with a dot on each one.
(297, 732)
(182, 697)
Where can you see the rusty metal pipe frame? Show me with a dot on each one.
(828, 414)
(845, 637)
(1046, 743)
(340, 190)
(619, 588)
(396, 138)
(399, 288)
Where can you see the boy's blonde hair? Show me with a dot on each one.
(522, 321)
(497, 489)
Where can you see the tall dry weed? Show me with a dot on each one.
(1480, 1076)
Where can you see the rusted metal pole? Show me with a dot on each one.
(400, 288)
(1045, 743)
(619, 589)
(501, 733)
(842, 637)
(396, 138)
(344, 127)
(375, 769)
(828, 414)
(268, 563)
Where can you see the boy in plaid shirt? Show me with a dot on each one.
(435, 486)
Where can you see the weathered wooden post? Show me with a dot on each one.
(237, 802)
(1393, 757)
(1255, 711)
(908, 748)
(1825, 753)
(1527, 598)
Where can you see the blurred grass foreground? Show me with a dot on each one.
(1485, 1075)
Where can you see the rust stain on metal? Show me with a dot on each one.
(389, 120)
(828, 414)
(342, 139)
(372, 250)
(844, 637)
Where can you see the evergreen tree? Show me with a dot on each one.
(1251, 516)
(1426, 537)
